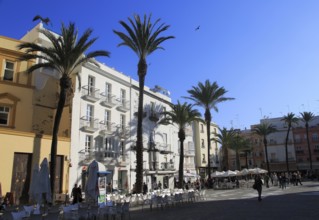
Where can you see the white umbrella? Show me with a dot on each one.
(34, 185)
(91, 188)
(229, 173)
(44, 180)
(243, 172)
(218, 174)
(257, 171)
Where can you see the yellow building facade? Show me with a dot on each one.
(26, 120)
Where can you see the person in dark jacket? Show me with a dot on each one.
(258, 185)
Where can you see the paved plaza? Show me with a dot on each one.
(294, 202)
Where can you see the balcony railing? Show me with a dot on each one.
(189, 165)
(189, 153)
(86, 157)
(107, 128)
(167, 166)
(89, 124)
(163, 148)
(153, 165)
(108, 100)
(123, 105)
(90, 93)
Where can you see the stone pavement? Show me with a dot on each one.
(295, 202)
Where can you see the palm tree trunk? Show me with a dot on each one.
(286, 148)
(308, 144)
(181, 135)
(237, 160)
(266, 152)
(246, 158)
(225, 162)
(208, 119)
(65, 84)
(142, 69)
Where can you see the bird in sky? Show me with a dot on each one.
(196, 29)
(44, 20)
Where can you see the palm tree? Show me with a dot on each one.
(224, 137)
(289, 119)
(263, 130)
(181, 115)
(65, 55)
(306, 118)
(143, 38)
(239, 144)
(208, 95)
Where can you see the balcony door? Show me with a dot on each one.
(91, 85)
(90, 114)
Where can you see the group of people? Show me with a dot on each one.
(280, 179)
(76, 194)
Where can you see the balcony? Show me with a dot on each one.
(154, 165)
(107, 157)
(106, 128)
(123, 105)
(88, 124)
(189, 153)
(86, 157)
(108, 100)
(163, 148)
(90, 93)
(167, 166)
(189, 165)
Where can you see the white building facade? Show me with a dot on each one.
(103, 127)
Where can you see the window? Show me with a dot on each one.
(122, 148)
(4, 115)
(165, 139)
(201, 128)
(204, 160)
(314, 137)
(122, 122)
(88, 143)
(107, 118)
(89, 112)
(122, 96)
(91, 85)
(8, 71)
(203, 143)
(108, 92)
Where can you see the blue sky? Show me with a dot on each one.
(264, 53)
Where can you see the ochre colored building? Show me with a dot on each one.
(26, 120)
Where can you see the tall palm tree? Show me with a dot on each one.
(143, 38)
(289, 119)
(64, 55)
(263, 130)
(225, 138)
(306, 118)
(208, 95)
(181, 115)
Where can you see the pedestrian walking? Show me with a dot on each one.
(258, 186)
(298, 179)
(75, 194)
